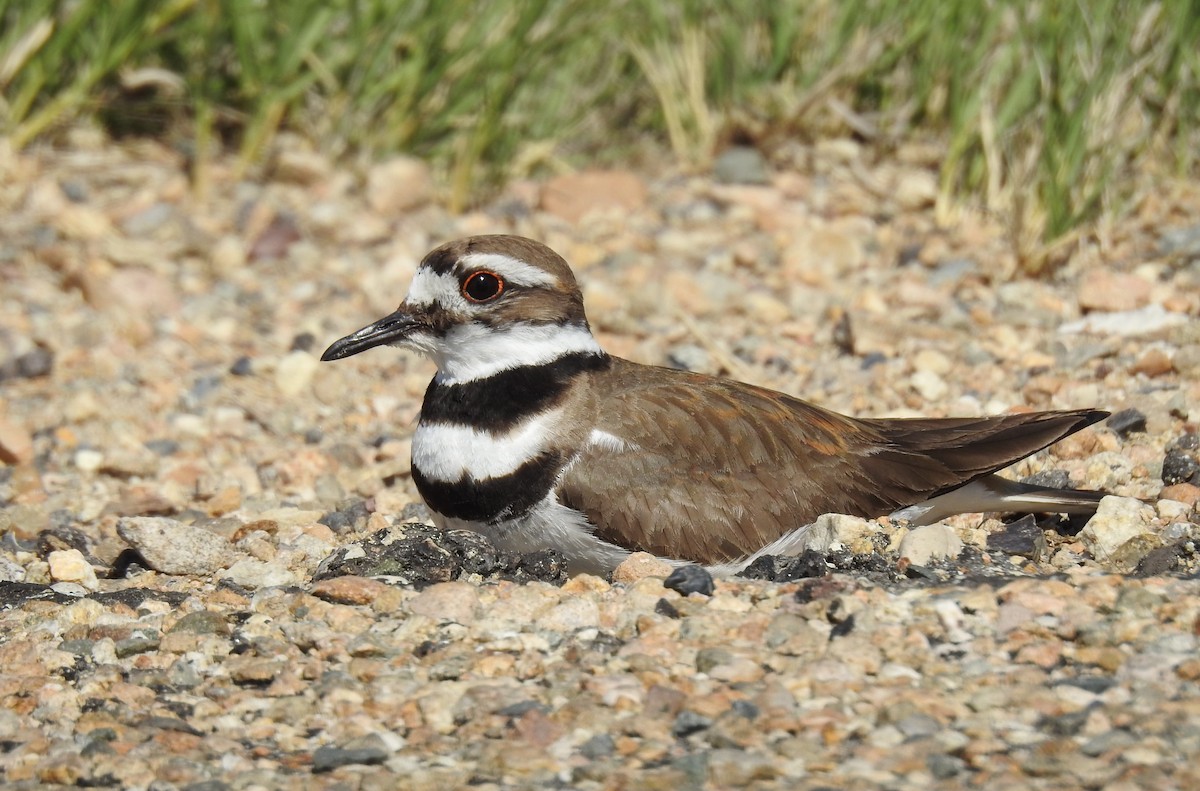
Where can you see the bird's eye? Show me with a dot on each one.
(483, 286)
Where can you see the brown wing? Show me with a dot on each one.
(716, 469)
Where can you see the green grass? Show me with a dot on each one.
(1046, 108)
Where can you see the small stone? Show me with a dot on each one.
(1118, 521)
(143, 292)
(1127, 421)
(88, 460)
(923, 545)
(457, 602)
(16, 444)
(570, 615)
(601, 745)
(11, 571)
(69, 565)
(1152, 363)
(1179, 466)
(1103, 290)
(1049, 479)
(276, 239)
(573, 196)
(228, 255)
(739, 768)
(139, 642)
(787, 568)
(350, 590)
(944, 767)
(302, 167)
(689, 579)
(915, 190)
(1187, 360)
(295, 372)
(254, 574)
(1126, 323)
(817, 255)
(741, 165)
(1183, 242)
(399, 185)
(933, 361)
(327, 758)
(1171, 510)
(1187, 493)
(1022, 537)
(35, 363)
(689, 722)
(147, 220)
(640, 565)
(929, 385)
(201, 622)
(172, 547)
(689, 357)
(1162, 560)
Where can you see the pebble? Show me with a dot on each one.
(254, 574)
(930, 386)
(1117, 522)
(1153, 363)
(915, 190)
(88, 459)
(69, 565)
(172, 547)
(741, 165)
(350, 590)
(457, 602)
(1023, 537)
(1125, 323)
(689, 579)
(928, 543)
(302, 167)
(295, 372)
(1180, 466)
(1104, 290)
(16, 445)
(574, 196)
(640, 565)
(398, 185)
(1126, 422)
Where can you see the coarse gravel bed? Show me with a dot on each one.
(214, 567)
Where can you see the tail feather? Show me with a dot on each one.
(993, 493)
(977, 446)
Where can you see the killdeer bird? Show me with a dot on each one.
(534, 436)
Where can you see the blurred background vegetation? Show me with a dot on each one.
(1044, 108)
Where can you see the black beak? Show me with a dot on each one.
(389, 329)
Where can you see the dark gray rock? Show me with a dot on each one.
(741, 165)
(1023, 537)
(417, 554)
(689, 579)
(1126, 422)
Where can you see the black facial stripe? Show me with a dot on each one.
(440, 261)
(501, 401)
(492, 499)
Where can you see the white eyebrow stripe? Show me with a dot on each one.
(513, 270)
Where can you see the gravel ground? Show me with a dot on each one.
(213, 570)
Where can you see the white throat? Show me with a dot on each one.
(475, 351)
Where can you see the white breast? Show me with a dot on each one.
(446, 452)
